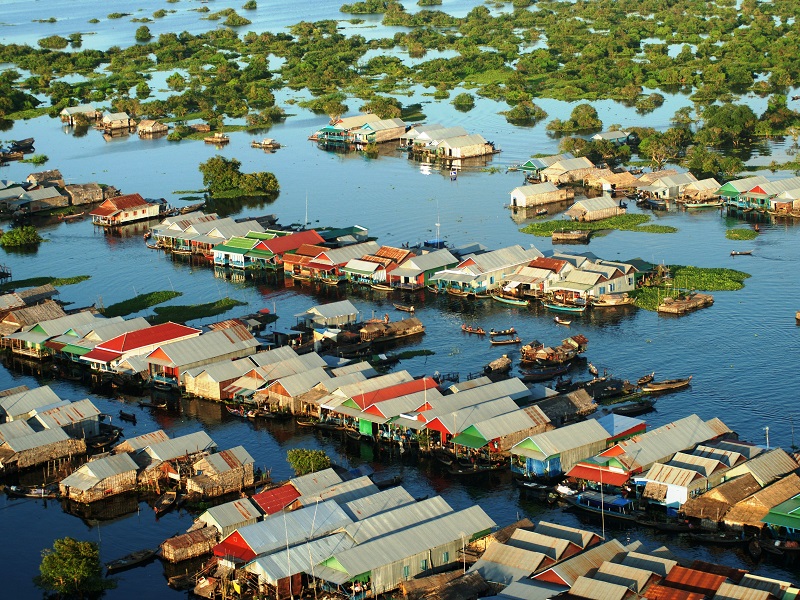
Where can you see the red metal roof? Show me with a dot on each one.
(158, 334)
(104, 211)
(113, 205)
(321, 266)
(691, 580)
(590, 474)
(394, 391)
(99, 355)
(276, 500)
(310, 250)
(293, 241)
(234, 547)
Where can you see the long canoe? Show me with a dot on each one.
(667, 385)
(512, 301)
(558, 307)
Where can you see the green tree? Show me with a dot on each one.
(72, 569)
(143, 34)
(305, 461)
(220, 174)
(20, 236)
(464, 102)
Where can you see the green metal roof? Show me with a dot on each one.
(470, 438)
(261, 235)
(259, 254)
(230, 249)
(241, 242)
(73, 349)
(786, 514)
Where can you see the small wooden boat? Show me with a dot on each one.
(472, 329)
(73, 217)
(509, 331)
(722, 538)
(561, 321)
(22, 145)
(667, 385)
(476, 470)
(609, 505)
(510, 300)
(165, 503)
(633, 409)
(265, 144)
(381, 287)
(301, 277)
(457, 292)
(559, 307)
(330, 282)
(593, 370)
(741, 252)
(238, 411)
(182, 582)
(134, 559)
(646, 378)
(104, 440)
(433, 289)
(673, 526)
(404, 308)
(543, 374)
(151, 404)
(504, 342)
(383, 484)
(613, 300)
(541, 211)
(20, 491)
(127, 416)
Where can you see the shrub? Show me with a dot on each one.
(307, 461)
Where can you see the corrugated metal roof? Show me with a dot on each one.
(223, 370)
(35, 440)
(598, 203)
(458, 420)
(429, 261)
(532, 190)
(503, 564)
(377, 503)
(616, 424)
(730, 591)
(191, 443)
(300, 383)
(759, 582)
(579, 537)
(313, 483)
(286, 528)
(231, 513)
(407, 402)
(702, 464)
(550, 443)
(670, 475)
(662, 592)
(227, 460)
(769, 466)
(298, 559)
(512, 388)
(630, 577)
(141, 441)
(149, 336)
(291, 366)
(503, 258)
(552, 547)
(203, 347)
(704, 184)
(397, 519)
(275, 500)
(14, 429)
(339, 256)
(276, 355)
(63, 324)
(472, 139)
(571, 164)
(597, 589)
(94, 472)
(343, 492)
(408, 542)
(504, 424)
(360, 367)
(332, 310)
(658, 565)
(26, 401)
(581, 564)
(582, 277)
(694, 581)
(64, 416)
(441, 133)
(378, 396)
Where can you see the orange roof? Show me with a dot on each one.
(661, 592)
(583, 471)
(692, 580)
(276, 500)
(396, 254)
(293, 241)
(394, 391)
(551, 264)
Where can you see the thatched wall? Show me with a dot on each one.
(38, 456)
(189, 545)
(111, 486)
(217, 484)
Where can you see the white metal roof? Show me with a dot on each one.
(269, 357)
(227, 460)
(458, 420)
(95, 471)
(428, 261)
(504, 424)
(532, 190)
(630, 577)
(579, 537)
(61, 325)
(472, 139)
(64, 416)
(191, 443)
(339, 256)
(24, 402)
(595, 589)
(380, 502)
(513, 388)
(286, 528)
(203, 347)
(36, 440)
(231, 513)
(298, 559)
(223, 370)
(146, 439)
(581, 564)
(343, 492)
(300, 383)
(14, 429)
(592, 204)
(313, 483)
(562, 439)
(548, 545)
(397, 519)
(408, 542)
(648, 562)
(503, 564)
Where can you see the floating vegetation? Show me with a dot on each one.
(620, 223)
(739, 233)
(685, 279)
(36, 159)
(36, 281)
(412, 353)
(140, 302)
(20, 237)
(117, 15)
(182, 314)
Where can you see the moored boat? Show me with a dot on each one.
(133, 559)
(646, 378)
(607, 505)
(632, 409)
(612, 300)
(667, 385)
(722, 538)
(510, 300)
(127, 416)
(509, 331)
(380, 287)
(544, 373)
(265, 144)
(217, 138)
(560, 307)
(20, 491)
(561, 321)
(504, 342)
(709, 204)
(165, 503)
(741, 252)
(457, 292)
(404, 307)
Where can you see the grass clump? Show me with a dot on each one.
(412, 353)
(182, 314)
(35, 281)
(738, 233)
(620, 223)
(140, 302)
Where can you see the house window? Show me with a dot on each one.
(602, 289)
(630, 280)
(423, 564)
(610, 287)
(405, 572)
(445, 558)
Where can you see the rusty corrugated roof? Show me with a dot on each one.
(693, 580)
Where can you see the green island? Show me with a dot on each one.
(620, 223)
(182, 314)
(140, 302)
(740, 233)
(632, 53)
(36, 281)
(687, 278)
(223, 179)
(20, 237)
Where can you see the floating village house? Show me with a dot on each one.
(73, 115)
(570, 170)
(117, 121)
(172, 458)
(38, 448)
(79, 341)
(479, 273)
(125, 209)
(339, 132)
(269, 254)
(749, 514)
(618, 137)
(84, 193)
(151, 127)
(534, 166)
(703, 189)
(375, 268)
(227, 518)
(24, 298)
(221, 473)
(732, 190)
(203, 236)
(192, 544)
(39, 199)
(169, 362)
(594, 209)
(761, 196)
(500, 433)
(100, 479)
(376, 132)
(333, 314)
(49, 178)
(328, 265)
(669, 187)
(465, 146)
(212, 381)
(416, 272)
(134, 444)
(539, 194)
(79, 419)
(295, 264)
(31, 342)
